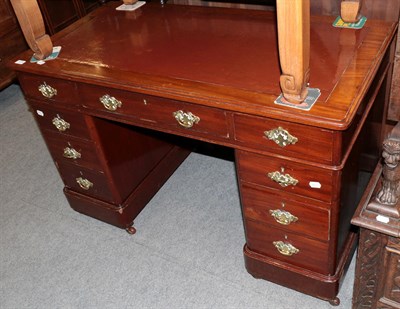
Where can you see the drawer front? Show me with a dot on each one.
(60, 121)
(285, 138)
(286, 175)
(154, 111)
(296, 250)
(283, 211)
(72, 150)
(49, 89)
(87, 182)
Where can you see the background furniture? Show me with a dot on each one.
(12, 41)
(61, 13)
(394, 107)
(377, 277)
(57, 15)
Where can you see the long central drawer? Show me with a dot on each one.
(155, 111)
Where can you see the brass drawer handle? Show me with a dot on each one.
(186, 120)
(281, 137)
(283, 180)
(283, 217)
(85, 184)
(71, 153)
(285, 248)
(60, 124)
(110, 102)
(47, 91)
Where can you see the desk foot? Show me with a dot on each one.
(131, 230)
(335, 301)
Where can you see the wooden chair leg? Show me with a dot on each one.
(294, 48)
(350, 10)
(32, 25)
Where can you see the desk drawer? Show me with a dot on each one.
(286, 175)
(49, 89)
(285, 138)
(60, 121)
(285, 211)
(156, 111)
(86, 181)
(72, 150)
(305, 252)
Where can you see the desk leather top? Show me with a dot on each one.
(225, 58)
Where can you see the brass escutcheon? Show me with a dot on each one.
(71, 153)
(186, 120)
(47, 91)
(281, 137)
(283, 217)
(283, 180)
(85, 184)
(60, 124)
(285, 248)
(110, 102)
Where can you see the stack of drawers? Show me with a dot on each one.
(103, 164)
(289, 206)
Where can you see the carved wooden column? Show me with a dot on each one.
(294, 47)
(377, 278)
(32, 25)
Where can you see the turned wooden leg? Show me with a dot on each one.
(130, 2)
(294, 48)
(350, 10)
(32, 25)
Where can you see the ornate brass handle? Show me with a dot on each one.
(186, 120)
(60, 124)
(283, 217)
(71, 153)
(47, 91)
(110, 102)
(283, 180)
(84, 183)
(285, 248)
(281, 137)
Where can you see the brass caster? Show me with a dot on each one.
(131, 230)
(335, 301)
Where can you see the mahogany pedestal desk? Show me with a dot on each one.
(127, 84)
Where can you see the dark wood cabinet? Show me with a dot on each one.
(377, 279)
(61, 13)
(12, 41)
